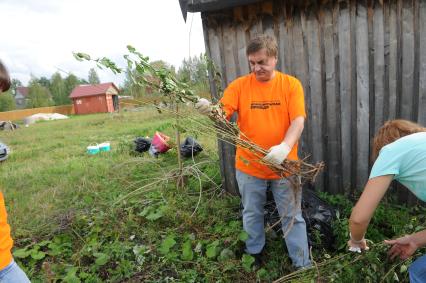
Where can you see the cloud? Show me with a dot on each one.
(45, 33)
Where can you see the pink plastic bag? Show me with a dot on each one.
(159, 144)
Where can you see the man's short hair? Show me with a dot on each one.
(263, 41)
(4, 78)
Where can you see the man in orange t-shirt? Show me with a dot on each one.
(271, 113)
(10, 272)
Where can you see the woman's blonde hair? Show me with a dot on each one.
(391, 131)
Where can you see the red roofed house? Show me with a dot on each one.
(97, 98)
(21, 96)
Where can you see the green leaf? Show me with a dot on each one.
(101, 258)
(247, 261)
(131, 48)
(54, 249)
(156, 214)
(243, 236)
(36, 254)
(43, 243)
(80, 56)
(262, 273)
(71, 276)
(226, 254)
(403, 268)
(140, 249)
(212, 249)
(187, 253)
(21, 253)
(167, 244)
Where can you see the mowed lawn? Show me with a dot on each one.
(50, 182)
(118, 216)
(48, 170)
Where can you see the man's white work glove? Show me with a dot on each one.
(277, 153)
(203, 106)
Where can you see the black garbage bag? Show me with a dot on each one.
(318, 215)
(190, 147)
(142, 144)
(8, 126)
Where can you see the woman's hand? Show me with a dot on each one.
(403, 247)
(358, 246)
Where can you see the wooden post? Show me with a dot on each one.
(179, 177)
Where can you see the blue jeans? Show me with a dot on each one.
(253, 196)
(417, 270)
(13, 274)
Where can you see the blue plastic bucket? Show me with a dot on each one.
(105, 146)
(92, 149)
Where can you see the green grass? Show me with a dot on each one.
(73, 219)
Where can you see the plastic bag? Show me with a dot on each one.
(142, 144)
(159, 144)
(190, 147)
(318, 215)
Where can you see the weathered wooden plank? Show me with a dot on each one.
(345, 78)
(312, 35)
(241, 49)
(393, 60)
(229, 44)
(379, 65)
(386, 38)
(362, 121)
(300, 70)
(332, 154)
(289, 52)
(421, 117)
(226, 152)
(407, 61)
(284, 44)
(268, 24)
(209, 53)
(255, 23)
(213, 46)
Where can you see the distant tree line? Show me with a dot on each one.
(192, 71)
(46, 92)
(56, 90)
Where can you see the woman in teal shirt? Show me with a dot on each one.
(399, 151)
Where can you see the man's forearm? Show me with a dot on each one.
(294, 131)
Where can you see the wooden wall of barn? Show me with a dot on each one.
(360, 62)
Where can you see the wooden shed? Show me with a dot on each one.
(99, 98)
(361, 62)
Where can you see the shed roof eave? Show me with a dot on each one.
(210, 5)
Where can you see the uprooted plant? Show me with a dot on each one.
(176, 91)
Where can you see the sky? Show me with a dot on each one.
(38, 37)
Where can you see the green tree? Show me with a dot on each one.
(58, 90)
(15, 84)
(38, 95)
(43, 81)
(7, 102)
(70, 83)
(130, 87)
(93, 77)
(194, 72)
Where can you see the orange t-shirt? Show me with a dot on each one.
(6, 242)
(265, 111)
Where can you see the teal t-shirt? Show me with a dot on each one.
(405, 158)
